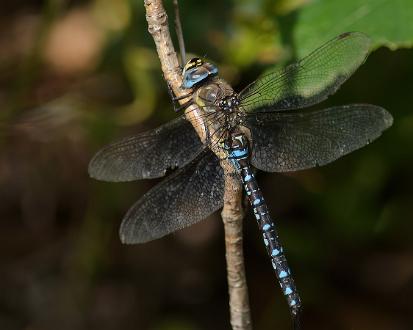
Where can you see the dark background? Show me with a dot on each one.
(75, 75)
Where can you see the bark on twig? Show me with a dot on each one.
(232, 212)
(232, 215)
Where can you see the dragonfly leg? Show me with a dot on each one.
(175, 98)
(182, 106)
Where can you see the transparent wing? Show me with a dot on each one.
(184, 198)
(147, 155)
(309, 81)
(291, 141)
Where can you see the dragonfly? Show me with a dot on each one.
(264, 127)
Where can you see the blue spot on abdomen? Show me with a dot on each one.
(266, 227)
(275, 252)
(282, 274)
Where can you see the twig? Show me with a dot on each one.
(232, 212)
(179, 33)
(232, 215)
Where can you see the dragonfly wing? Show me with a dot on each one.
(184, 198)
(310, 80)
(147, 155)
(291, 141)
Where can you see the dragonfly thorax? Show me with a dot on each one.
(229, 103)
(217, 97)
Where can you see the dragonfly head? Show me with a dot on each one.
(197, 71)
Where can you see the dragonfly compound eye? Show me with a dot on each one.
(197, 71)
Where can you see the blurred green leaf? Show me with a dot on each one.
(387, 22)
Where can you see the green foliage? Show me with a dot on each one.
(387, 22)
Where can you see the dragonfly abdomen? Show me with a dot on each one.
(239, 156)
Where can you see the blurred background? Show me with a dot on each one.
(75, 75)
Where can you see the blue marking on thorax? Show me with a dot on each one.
(247, 177)
(293, 302)
(256, 201)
